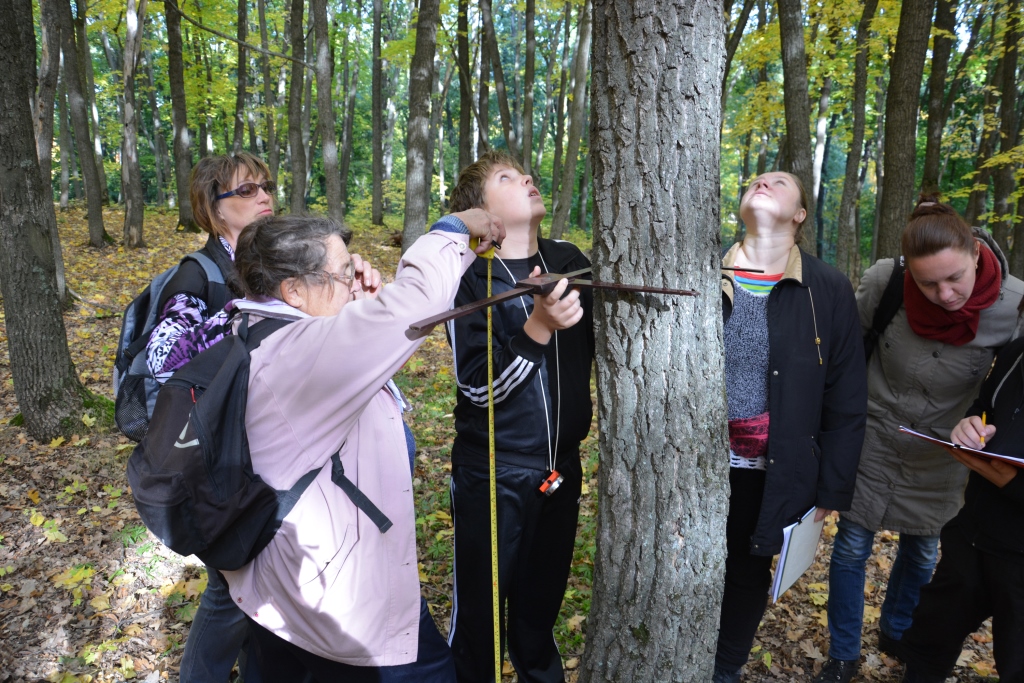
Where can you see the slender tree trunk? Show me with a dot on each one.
(548, 93)
(880, 98)
(484, 140)
(417, 141)
(491, 42)
(309, 134)
(295, 87)
(46, 385)
(377, 122)
(901, 106)
(797, 103)
(269, 102)
(663, 480)
(351, 83)
(181, 142)
(160, 144)
(77, 103)
(65, 143)
(731, 45)
(848, 241)
(89, 90)
(131, 174)
(242, 78)
(977, 202)
(528, 80)
(1003, 176)
(942, 43)
(465, 88)
(325, 110)
(46, 88)
(390, 83)
(584, 194)
(581, 66)
(822, 187)
(563, 84)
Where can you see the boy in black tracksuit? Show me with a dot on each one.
(981, 573)
(543, 349)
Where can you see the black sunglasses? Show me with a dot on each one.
(249, 190)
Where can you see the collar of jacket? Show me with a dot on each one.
(794, 268)
(557, 254)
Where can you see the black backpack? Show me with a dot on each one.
(888, 307)
(192, 477)
(135, 388)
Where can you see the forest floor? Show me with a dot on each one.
(88, 595)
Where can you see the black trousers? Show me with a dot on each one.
(283, 661)
(968, 587)
(536, 534)
(747, 577)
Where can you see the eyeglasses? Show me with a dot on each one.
(346, 279)
(249, 190)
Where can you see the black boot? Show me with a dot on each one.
(891, 646)
(838, 671)
(723, 676)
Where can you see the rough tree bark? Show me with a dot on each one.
(942, 44)
(418, 159)
(798, 108)
(131, 174)
(465, 88)
(901, 106)
(243, 74)
(80, 123)
(181, 146)
(1003, 176)
(377, 122)
(325, 110)
(660, 558)
(297, 151)
(848, 242)
(46, 385)
(577, 114)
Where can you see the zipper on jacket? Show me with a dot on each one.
(814, 318)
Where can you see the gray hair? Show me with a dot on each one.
(276, 248)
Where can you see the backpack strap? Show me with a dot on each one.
(211, 269)
(888, 306)
(357, 496)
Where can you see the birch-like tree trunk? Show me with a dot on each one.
(663, 478)
(46, 385)
(131, 174)
(577, 114)
(906, 69)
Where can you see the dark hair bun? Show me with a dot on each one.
(930, 204)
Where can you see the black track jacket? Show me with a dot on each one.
(538, 390)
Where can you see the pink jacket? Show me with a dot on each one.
(329, 581)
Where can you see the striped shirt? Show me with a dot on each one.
(757, 283)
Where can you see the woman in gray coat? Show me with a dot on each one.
(959, 307)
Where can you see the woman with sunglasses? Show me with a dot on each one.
(228, 192)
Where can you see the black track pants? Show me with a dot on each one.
(535, 547)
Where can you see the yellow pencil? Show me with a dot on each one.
(984, 423)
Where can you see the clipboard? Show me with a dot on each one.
(799, 546)
(1019, 462)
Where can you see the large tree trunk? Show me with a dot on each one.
(465, 88)
(46, 385)
(181, 146)
(942, 43)
(848, 241)
(528, 79)
(269, 102)
(297, 151)
(577, 114)
(901, 105)
(418, 159)
(491, 47)
(377, 122)
(46, 87)
(798, 109)
(243, 74)
(325, 110)
(663, 479)
(80, 122)
(131, 174)
(1003, 176)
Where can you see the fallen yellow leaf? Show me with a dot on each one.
(33, 495)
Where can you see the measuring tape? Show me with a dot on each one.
(489, 255)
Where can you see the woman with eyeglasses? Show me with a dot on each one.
(228, 192)
(335, 595)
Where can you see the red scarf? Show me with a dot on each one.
(957, 328)
(748, 436)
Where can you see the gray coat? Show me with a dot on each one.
(903, 483)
